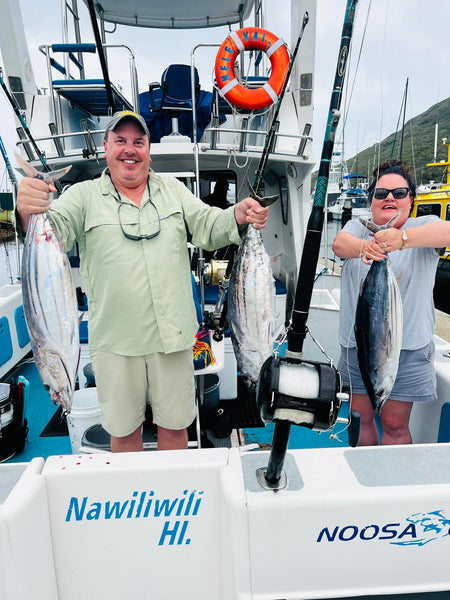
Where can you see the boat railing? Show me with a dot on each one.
(240, 139)
(90, 94)
(241, 135)
(229, 129)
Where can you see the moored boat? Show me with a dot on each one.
(434, 199)
(353, 201)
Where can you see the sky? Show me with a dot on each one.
(393, 40)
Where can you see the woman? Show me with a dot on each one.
(414, 247)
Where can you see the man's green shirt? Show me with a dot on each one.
(139, 292)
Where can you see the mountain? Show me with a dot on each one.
(418, 146)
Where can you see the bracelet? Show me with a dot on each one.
(361, 253)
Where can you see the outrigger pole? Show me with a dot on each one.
(310, 255)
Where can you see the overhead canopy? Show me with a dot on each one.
(173, 14)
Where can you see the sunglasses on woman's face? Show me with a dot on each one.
(398, 193)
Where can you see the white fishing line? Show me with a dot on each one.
(348, 343)
(299, 381)
(299, 417)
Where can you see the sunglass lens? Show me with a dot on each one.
(400, 193)
(381, 194)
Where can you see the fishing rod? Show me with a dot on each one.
(19, 115)
(14, 183)
(268, 146)
(11, 174)
(270, 137)
(311, 248)
(101, 55)
(279, 380)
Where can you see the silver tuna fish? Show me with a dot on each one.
(379, 328)
(251, 306)
(49, 303)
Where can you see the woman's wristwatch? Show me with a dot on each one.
(404, 239)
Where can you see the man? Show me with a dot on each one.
(219, 196)
(131, 225)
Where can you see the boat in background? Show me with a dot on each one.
(338, 170)
(353, 201)
(204, 523)
(434, 199)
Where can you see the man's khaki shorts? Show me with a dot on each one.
(126, 383)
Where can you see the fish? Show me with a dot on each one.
(251, 304)
(49, 302)
(379, 327)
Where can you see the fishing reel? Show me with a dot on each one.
(215, 271)
(304, 393)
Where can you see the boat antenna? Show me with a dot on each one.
(296, 333)
(270, 137)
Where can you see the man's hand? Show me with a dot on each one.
(250, 211)
(33, 197)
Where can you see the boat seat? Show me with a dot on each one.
(90, 94)
(174, 94)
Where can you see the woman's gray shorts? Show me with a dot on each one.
(416, 378)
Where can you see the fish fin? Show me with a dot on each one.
(370, 225)
(374, 228)
(394, 219)
(27, 169)
(264, 201)
(49, 177)
(53, 176)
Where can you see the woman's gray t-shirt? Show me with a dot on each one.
(415, 270)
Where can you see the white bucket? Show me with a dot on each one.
(85, 413)
(228, 377)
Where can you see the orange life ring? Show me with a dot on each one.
(251, 38)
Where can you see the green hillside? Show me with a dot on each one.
(418, 145)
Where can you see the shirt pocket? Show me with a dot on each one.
(173, 228)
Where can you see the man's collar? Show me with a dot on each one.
(107, 186)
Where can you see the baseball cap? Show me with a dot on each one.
(129, 115)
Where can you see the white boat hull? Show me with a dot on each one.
(199, 525)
